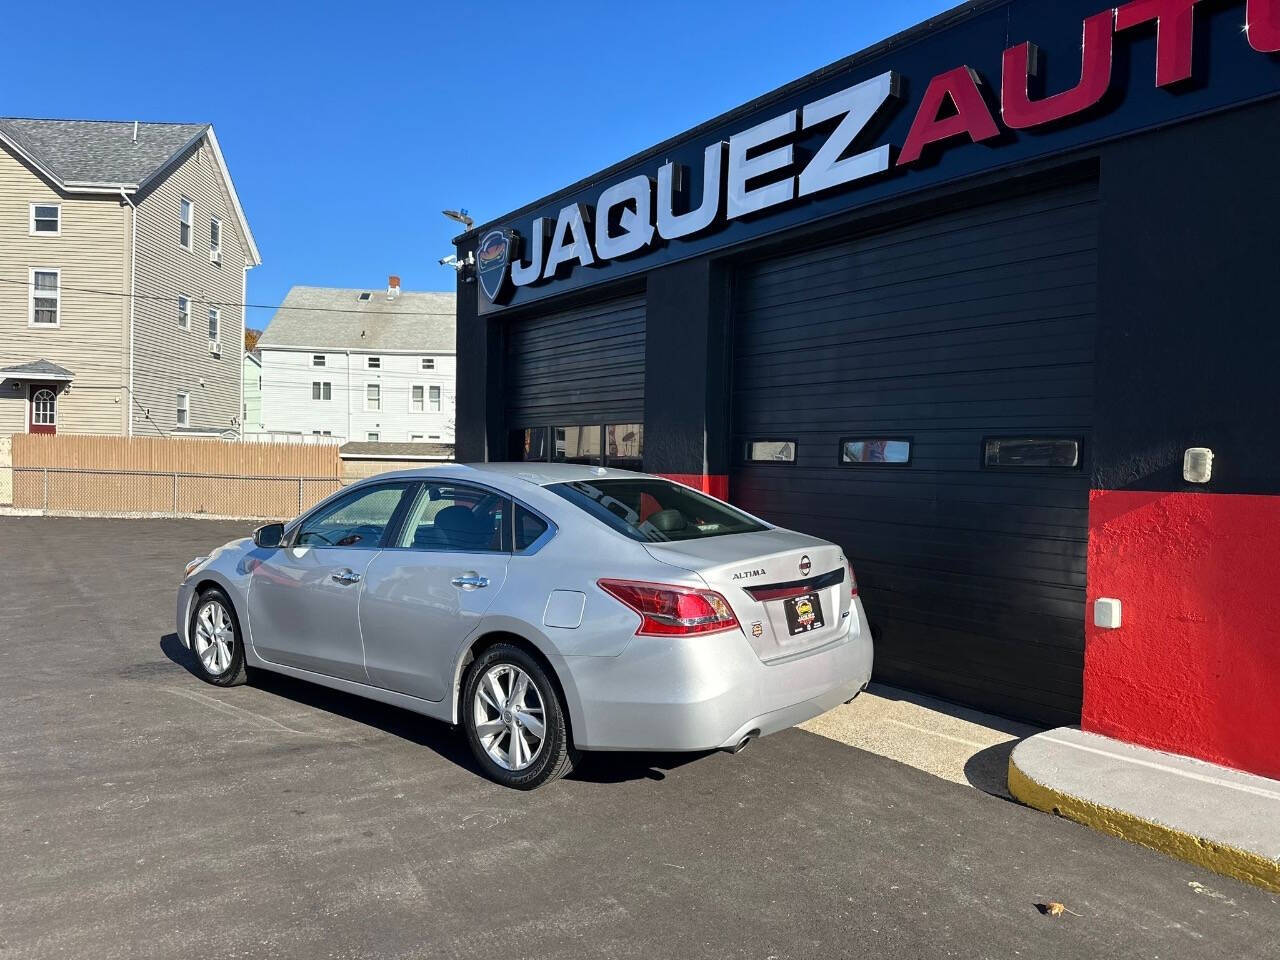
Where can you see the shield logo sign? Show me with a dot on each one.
(493, 256)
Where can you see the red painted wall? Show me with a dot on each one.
(1195, 666)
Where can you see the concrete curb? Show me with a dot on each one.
(1221, 858)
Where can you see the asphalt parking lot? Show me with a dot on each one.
(146, 814)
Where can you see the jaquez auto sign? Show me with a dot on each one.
(763, 169)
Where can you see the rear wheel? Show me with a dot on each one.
(514, 719)
(215, 639)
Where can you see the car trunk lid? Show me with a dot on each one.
(790, 592)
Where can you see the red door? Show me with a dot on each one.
(43, 408)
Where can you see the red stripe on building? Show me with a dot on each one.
(1193, 667)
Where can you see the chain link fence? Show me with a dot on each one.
(74, 491)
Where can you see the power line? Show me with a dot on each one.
(222, 303)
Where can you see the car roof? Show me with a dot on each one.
(540, 474)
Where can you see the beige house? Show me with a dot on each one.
(123, 258)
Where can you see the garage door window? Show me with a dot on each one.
(624, 446)
(576, 445)
(1044, 453)
(859, 451)
(770, 451)
(529, 445)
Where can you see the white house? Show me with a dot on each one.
(360, 365)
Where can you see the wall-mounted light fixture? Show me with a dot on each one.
(1197, 465)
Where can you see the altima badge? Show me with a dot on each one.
(805, 565)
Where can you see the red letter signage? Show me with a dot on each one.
(972, 116)
(1022, 62)
(1262, 21)
(1175, 31)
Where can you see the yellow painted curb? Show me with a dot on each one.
(1229, 861)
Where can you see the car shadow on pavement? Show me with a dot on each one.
(398, 722)
(433, 734)
(623, 767)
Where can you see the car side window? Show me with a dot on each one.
(457, 516)
(529, 527)
(357, 522)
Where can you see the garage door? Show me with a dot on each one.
(924, 397)
(575, 384)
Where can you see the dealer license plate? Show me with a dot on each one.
(803, 613)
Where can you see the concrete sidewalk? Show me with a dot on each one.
(943, 739)
(1219, 818)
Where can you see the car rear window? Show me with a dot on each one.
(655, 511)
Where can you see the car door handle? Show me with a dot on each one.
(346, 577)
(470, 581)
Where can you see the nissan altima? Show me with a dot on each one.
(547, 609)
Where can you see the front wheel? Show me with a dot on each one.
(215, 640)
(515, 720)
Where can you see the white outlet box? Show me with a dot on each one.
(1106, 613)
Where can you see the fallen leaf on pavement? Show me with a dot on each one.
(1054, 909)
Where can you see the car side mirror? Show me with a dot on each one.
(269, 535)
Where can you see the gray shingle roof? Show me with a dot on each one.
(394, 451)
(38, 370)
(99, 151)
(335, 318)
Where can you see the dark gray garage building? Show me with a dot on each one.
(917, 303)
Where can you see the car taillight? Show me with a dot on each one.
(853, 581)
(667, 610)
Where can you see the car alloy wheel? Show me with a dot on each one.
(215, 637)
(214, 632)
(508, 717)
(515, 719)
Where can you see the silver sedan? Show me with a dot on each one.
(547, 609)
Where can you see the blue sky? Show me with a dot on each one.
(348, 127)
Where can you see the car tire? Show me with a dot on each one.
(492, 720)
(216, 641)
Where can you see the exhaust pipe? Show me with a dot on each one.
(742, 744)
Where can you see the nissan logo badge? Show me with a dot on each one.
(805, 566)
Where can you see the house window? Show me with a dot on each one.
(317, 360)
(415, 438)
(428, 363)
(1031, 452)
(374, 363)
(417, 398)
(875, 452)
(184, 409)
(364, 297)
(46, 219)
(215, 239)
(770, 451)
(322, 433)
(435, 399)
(186, 212)
(44, 408)
(46, 296)
(321, 390)
(215, 322)
(371, 436)
(373, 396)
(184, 312)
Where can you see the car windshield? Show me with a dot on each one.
(655, 511)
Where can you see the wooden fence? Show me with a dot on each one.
(170, 476)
